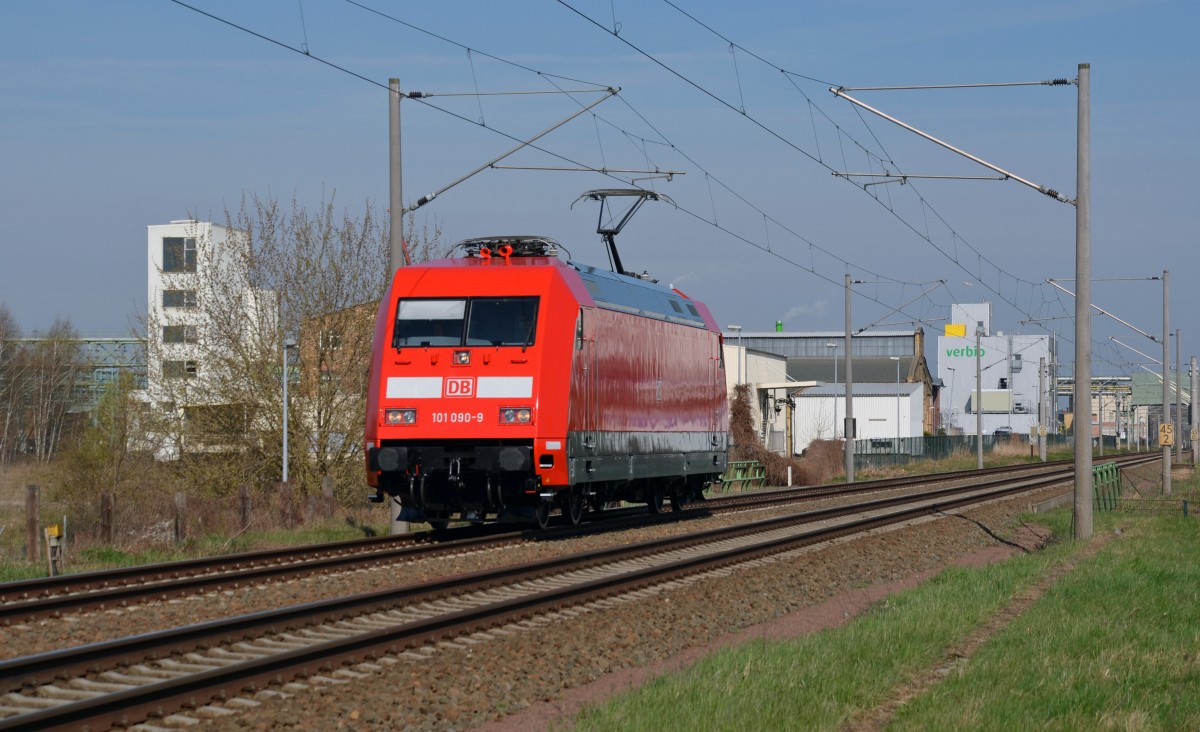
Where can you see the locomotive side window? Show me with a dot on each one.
(429, 323)
(502, 321)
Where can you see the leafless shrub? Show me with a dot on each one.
(37, 383)
(815, 467)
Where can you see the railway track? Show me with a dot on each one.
(48, 597)
(125, 681)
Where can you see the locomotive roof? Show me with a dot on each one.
(613, 291)
(610, 290)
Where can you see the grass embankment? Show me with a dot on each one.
(1111, 644)
(13, 567)
(83, 551)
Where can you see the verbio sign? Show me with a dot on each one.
(968, 351)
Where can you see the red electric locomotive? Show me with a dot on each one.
(509, 382)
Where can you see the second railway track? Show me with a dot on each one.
(216, 660)
(31, 600)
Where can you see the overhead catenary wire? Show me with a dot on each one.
(1001, 273)
(522, 144)
(924, 235)
(421, 98)
(790, 75)
(974, 158)
(643, 149)
(550, 78)
(452, 42)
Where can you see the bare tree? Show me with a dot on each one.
(329, 273)
(10, 413)
(50, 375)
(280, 275)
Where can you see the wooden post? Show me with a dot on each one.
(33, 537)
(107, 508)
(327, 497)
(245, 505)
(181, 517)
(285, 505)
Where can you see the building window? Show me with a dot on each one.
(180, 369)
(180, 334)
(330, 340)
(179, 298)
(179, 254)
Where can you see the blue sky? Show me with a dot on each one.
(118, 115)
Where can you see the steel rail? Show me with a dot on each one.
(153, 699)
(40, 668)
(30, 600)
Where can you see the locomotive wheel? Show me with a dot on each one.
(541, 515)
(676, 502)
(439, 524)
(655, 500)
(574, 507)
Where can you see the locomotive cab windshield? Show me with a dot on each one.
(475, 321)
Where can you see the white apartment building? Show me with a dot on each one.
(173, 316)
(195, 270)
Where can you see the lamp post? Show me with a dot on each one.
(1117, 417)
(738, 329)
(1166, 384)
(849, 431)
(951, 369)
(1178, 399)
(287, 345)
(1192, 434)
(979, 400)
(1043, 416)
(834, 347)
(897, 360)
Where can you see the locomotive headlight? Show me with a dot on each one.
(399, 416)
(516, 415)
(462, 358)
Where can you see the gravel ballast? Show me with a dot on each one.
(489, 678)
(460, 685)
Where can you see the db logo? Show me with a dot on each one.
(459, 387)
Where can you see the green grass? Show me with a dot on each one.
(104, 557)
(1115, 644)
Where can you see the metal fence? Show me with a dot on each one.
(880, 452)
